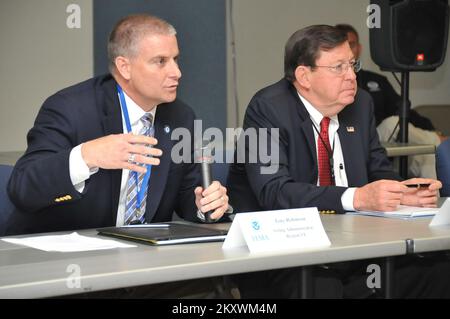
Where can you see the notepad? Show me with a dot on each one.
(402, 211)
(175, 233)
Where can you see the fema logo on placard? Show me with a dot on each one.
(255, 225)
(259, 235)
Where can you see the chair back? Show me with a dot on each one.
(443, 166)
(6, 206)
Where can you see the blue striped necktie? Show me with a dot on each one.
(132, 214)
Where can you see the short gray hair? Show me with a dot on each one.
(126, 34)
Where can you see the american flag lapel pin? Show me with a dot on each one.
(350, 129)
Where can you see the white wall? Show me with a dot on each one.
(39, 55)
(263, 27)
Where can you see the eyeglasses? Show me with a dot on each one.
(342, 68)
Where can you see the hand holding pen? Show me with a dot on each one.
(421, 192)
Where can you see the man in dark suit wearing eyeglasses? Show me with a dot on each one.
(329, 157)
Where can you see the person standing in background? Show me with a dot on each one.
(386, 107)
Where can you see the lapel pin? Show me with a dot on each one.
(167, 129)
(350, 129)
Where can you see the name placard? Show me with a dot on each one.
(442, 217)
(276, 230)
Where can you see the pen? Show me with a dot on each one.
(146, 226)
(341, 168)
(418, 185)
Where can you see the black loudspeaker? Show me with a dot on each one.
(412, 35)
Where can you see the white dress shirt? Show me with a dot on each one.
(338, 159)
(80, 172)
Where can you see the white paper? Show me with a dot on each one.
(443, 215)
(67, 243)
(234, 238)
(277, 230)
(402, 212)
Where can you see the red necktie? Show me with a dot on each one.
(323, 156)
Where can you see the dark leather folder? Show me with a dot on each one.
(174, 233)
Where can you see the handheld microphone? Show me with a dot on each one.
(205, 159)
(206, 174)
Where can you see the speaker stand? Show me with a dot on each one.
(403, 120)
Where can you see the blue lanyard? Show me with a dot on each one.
(140, 192)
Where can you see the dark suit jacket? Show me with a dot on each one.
(77, 114)
(294, 184)
(386, 101)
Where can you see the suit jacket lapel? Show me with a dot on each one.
(348, 136)
(306, 124)
(309, 135)
(112, 124)
(159, 174)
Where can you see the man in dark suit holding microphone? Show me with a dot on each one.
(329, 157)
(99, 153)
